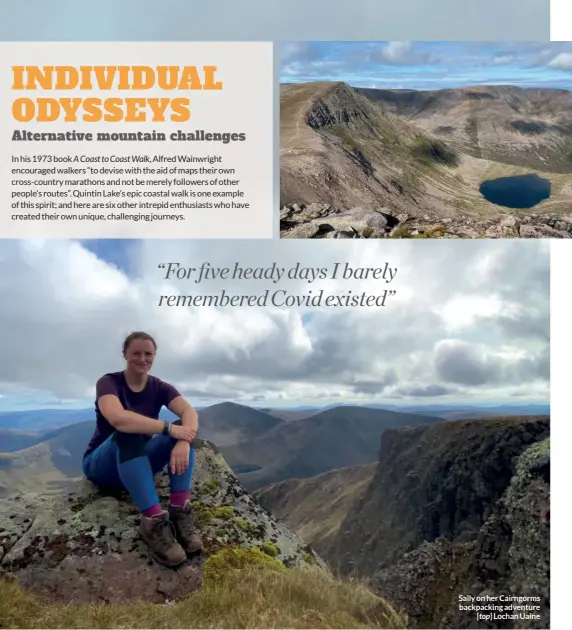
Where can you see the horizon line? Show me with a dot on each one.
(294, 406)
(441, 89)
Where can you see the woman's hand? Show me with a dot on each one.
(180, 457)
(179, 432)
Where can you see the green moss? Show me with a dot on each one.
(218, 567)
(435, 231)
(542, 449)
(529, 463)
(257, 531)
(205, 513)
(224, 512)
(270, 549)
(210, 487)
(530, 457)
(202, 514)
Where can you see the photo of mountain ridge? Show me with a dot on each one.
(471, 157)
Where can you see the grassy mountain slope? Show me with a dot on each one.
(337, 146)
(255, 595)
(421, 153)
(291, 415)
(314, 508)
(527, 127)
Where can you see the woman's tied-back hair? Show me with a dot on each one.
(137, 335)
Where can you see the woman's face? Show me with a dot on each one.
(139, 356)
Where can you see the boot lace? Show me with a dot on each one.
(164, 533)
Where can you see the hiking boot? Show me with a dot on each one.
(158, 532)
(183, 518)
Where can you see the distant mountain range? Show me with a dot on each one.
(261, 446)
(42, 419)
(340, 436)
(443, 411)
(48, 419)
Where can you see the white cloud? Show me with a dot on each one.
(65, 313)
(462, 311)
(562, 61)
(396, 52)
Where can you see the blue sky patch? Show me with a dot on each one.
(429, 65)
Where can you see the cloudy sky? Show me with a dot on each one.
(274, 20)
(468, 324)
(429, 65)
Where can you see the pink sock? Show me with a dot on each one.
(154, 510)
(178, 499)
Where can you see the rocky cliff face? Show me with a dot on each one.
(85, 547)
(455, 509)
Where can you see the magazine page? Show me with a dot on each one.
(212, 415)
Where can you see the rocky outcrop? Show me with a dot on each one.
(510, 558)
(85, 547)
(455, 509)
(323, 220)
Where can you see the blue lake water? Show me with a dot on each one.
(520, 191)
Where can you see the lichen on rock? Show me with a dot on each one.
(85, 546)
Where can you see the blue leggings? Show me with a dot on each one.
(128, 461)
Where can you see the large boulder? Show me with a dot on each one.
(85, 546)
(322, 220)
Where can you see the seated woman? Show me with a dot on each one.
(123, 452)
